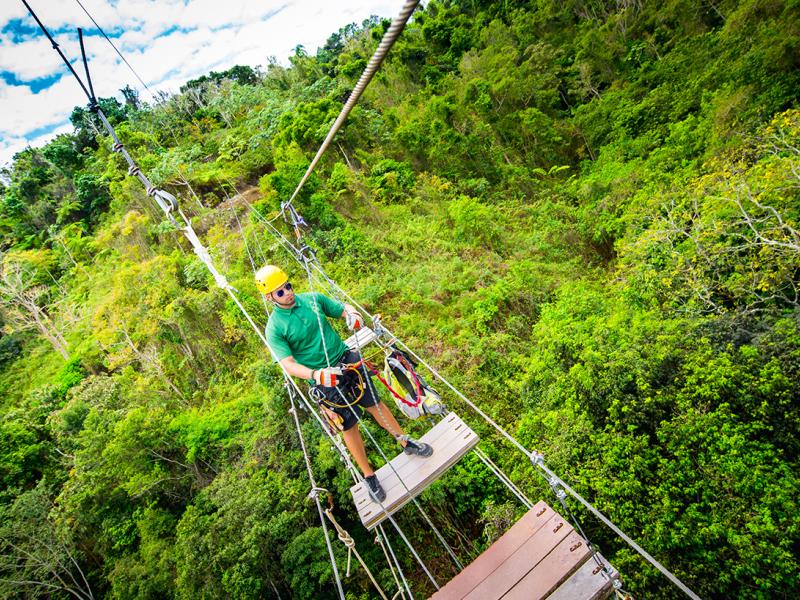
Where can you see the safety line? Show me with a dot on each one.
(103, 33)
(247, 248)
(350, 544)
(315, 495)
(498, 472)
(414, 552)
(383, 542)
(536, 458)
(389, 38)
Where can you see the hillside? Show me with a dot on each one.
(586, 214)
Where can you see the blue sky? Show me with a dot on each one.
(167, 41)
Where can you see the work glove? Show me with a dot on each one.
(353, 318)
(327, 377)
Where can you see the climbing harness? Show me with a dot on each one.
(411, 394)
(419, 398)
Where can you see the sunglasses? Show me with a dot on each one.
(286, 287)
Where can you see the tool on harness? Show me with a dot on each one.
(412, 395)
(333, 420)
(349, 384)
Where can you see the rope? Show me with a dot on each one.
(413, 551)
(247, 248)
(374, 370)
(315, 495)
(503, 478)
(89, 95)
(388, 40)
(379, 539)
(561, 496)
(103, 33)
(348, 541)
(536, 458)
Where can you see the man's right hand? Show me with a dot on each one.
(327, 377)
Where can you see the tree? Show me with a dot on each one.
(128, 320)
(34, 555)
(24, 298)
(131, 96)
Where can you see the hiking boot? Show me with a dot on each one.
(418, 448)
(375, 489)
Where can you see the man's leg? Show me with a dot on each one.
(384, 417)
(355, 443)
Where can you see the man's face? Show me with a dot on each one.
(284, 295)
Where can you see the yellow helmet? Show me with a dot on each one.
(269, 278)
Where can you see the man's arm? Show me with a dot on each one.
(353, 318)
(295, 369)
(327, 377)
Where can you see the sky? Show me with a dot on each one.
(167, 42)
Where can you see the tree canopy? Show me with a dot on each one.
(585, 213)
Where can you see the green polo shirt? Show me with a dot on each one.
(296, 331)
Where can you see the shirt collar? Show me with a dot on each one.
(285, 310)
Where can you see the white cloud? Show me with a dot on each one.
(210, 36)
(9, 146)
(25, 112)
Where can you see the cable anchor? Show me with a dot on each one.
(295, 220)
(555, 485)
(317, 491)
(167, 201)
(306, 254)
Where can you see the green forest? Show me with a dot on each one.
(585, 214)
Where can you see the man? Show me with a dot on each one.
(307, 347)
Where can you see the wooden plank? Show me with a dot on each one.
(527, 557)
(407, 476)
(406, 470)
(450, 438)
(497, 553)
(539, 557)
(554, 569)
(587, 583)
(404, 465)
(361, 338)
(409, 467)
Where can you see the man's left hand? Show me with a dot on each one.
(353, 318)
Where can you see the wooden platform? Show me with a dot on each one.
(541, 556)
(587, 583)
(451, 439)
(361, 338)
